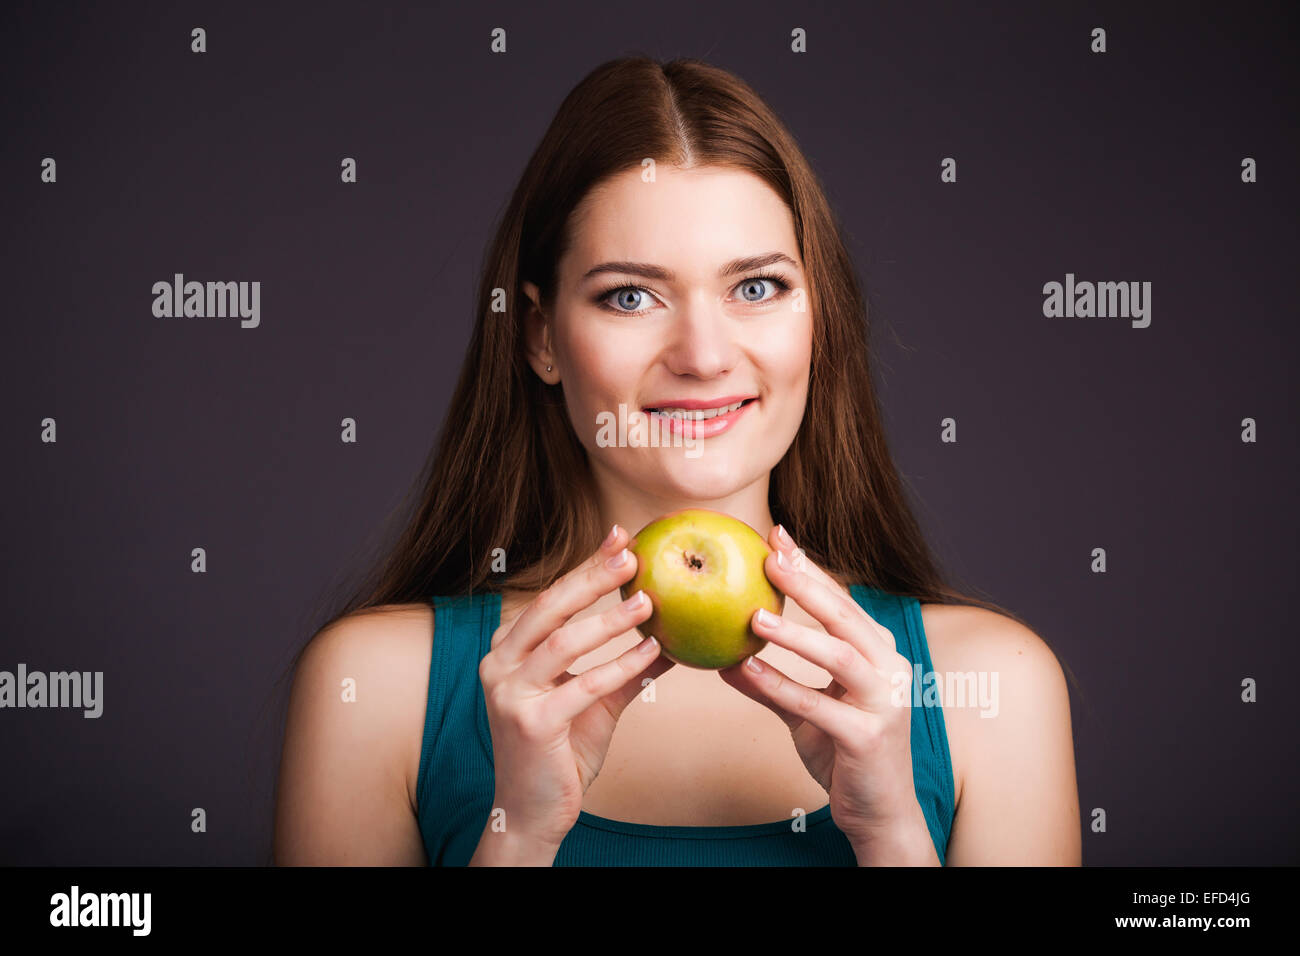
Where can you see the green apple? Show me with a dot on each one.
(703, 572)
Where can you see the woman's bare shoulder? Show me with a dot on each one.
(387, 652)
(381, 636)
(1019, 765)
(966, 636)
(1010, 665)
(352, 741)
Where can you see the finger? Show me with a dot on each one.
(576, 590)
(617, 700)
(842, 616)
(742, 680)
(801, 562)
(842, 722)
(806, 564)
(840, 658)
(576, 694)
(556, 654)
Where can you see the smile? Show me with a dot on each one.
(700, 422)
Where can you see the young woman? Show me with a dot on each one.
(668, 252)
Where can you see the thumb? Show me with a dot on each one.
(616, 701)
(742, 679)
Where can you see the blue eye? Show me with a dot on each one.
(750, 284)
(628, 293)
(631, 295)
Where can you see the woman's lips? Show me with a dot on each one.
(701, 428)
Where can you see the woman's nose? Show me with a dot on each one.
(702, 340)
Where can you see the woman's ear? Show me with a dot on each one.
(537, 336)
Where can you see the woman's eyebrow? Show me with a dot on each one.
(649, 271)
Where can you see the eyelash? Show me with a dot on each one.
(782, 285)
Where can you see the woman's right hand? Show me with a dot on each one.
(551, 729)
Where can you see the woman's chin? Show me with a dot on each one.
(696, 483)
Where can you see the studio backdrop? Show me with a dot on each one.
(1075, 225)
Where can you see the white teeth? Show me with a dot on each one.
(698, 414)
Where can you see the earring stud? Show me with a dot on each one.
(548, 368)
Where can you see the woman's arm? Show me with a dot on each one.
(1019, 804)
(344, 795)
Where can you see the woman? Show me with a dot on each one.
(669, 252)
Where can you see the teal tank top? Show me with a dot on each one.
(457, 776)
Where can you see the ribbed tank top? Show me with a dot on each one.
(457, 777)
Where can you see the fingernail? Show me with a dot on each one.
(648, 645)
(609, 538)
(782, 561)
(618, 560)
(767, 619)
(784, 536)
(634, 602)
(752, 663)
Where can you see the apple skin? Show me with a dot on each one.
(703, 572)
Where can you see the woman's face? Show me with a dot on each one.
(656, 309)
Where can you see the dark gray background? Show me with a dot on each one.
(1073, 433)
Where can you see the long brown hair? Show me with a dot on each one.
(509, 472)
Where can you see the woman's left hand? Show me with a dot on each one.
(854, 736)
